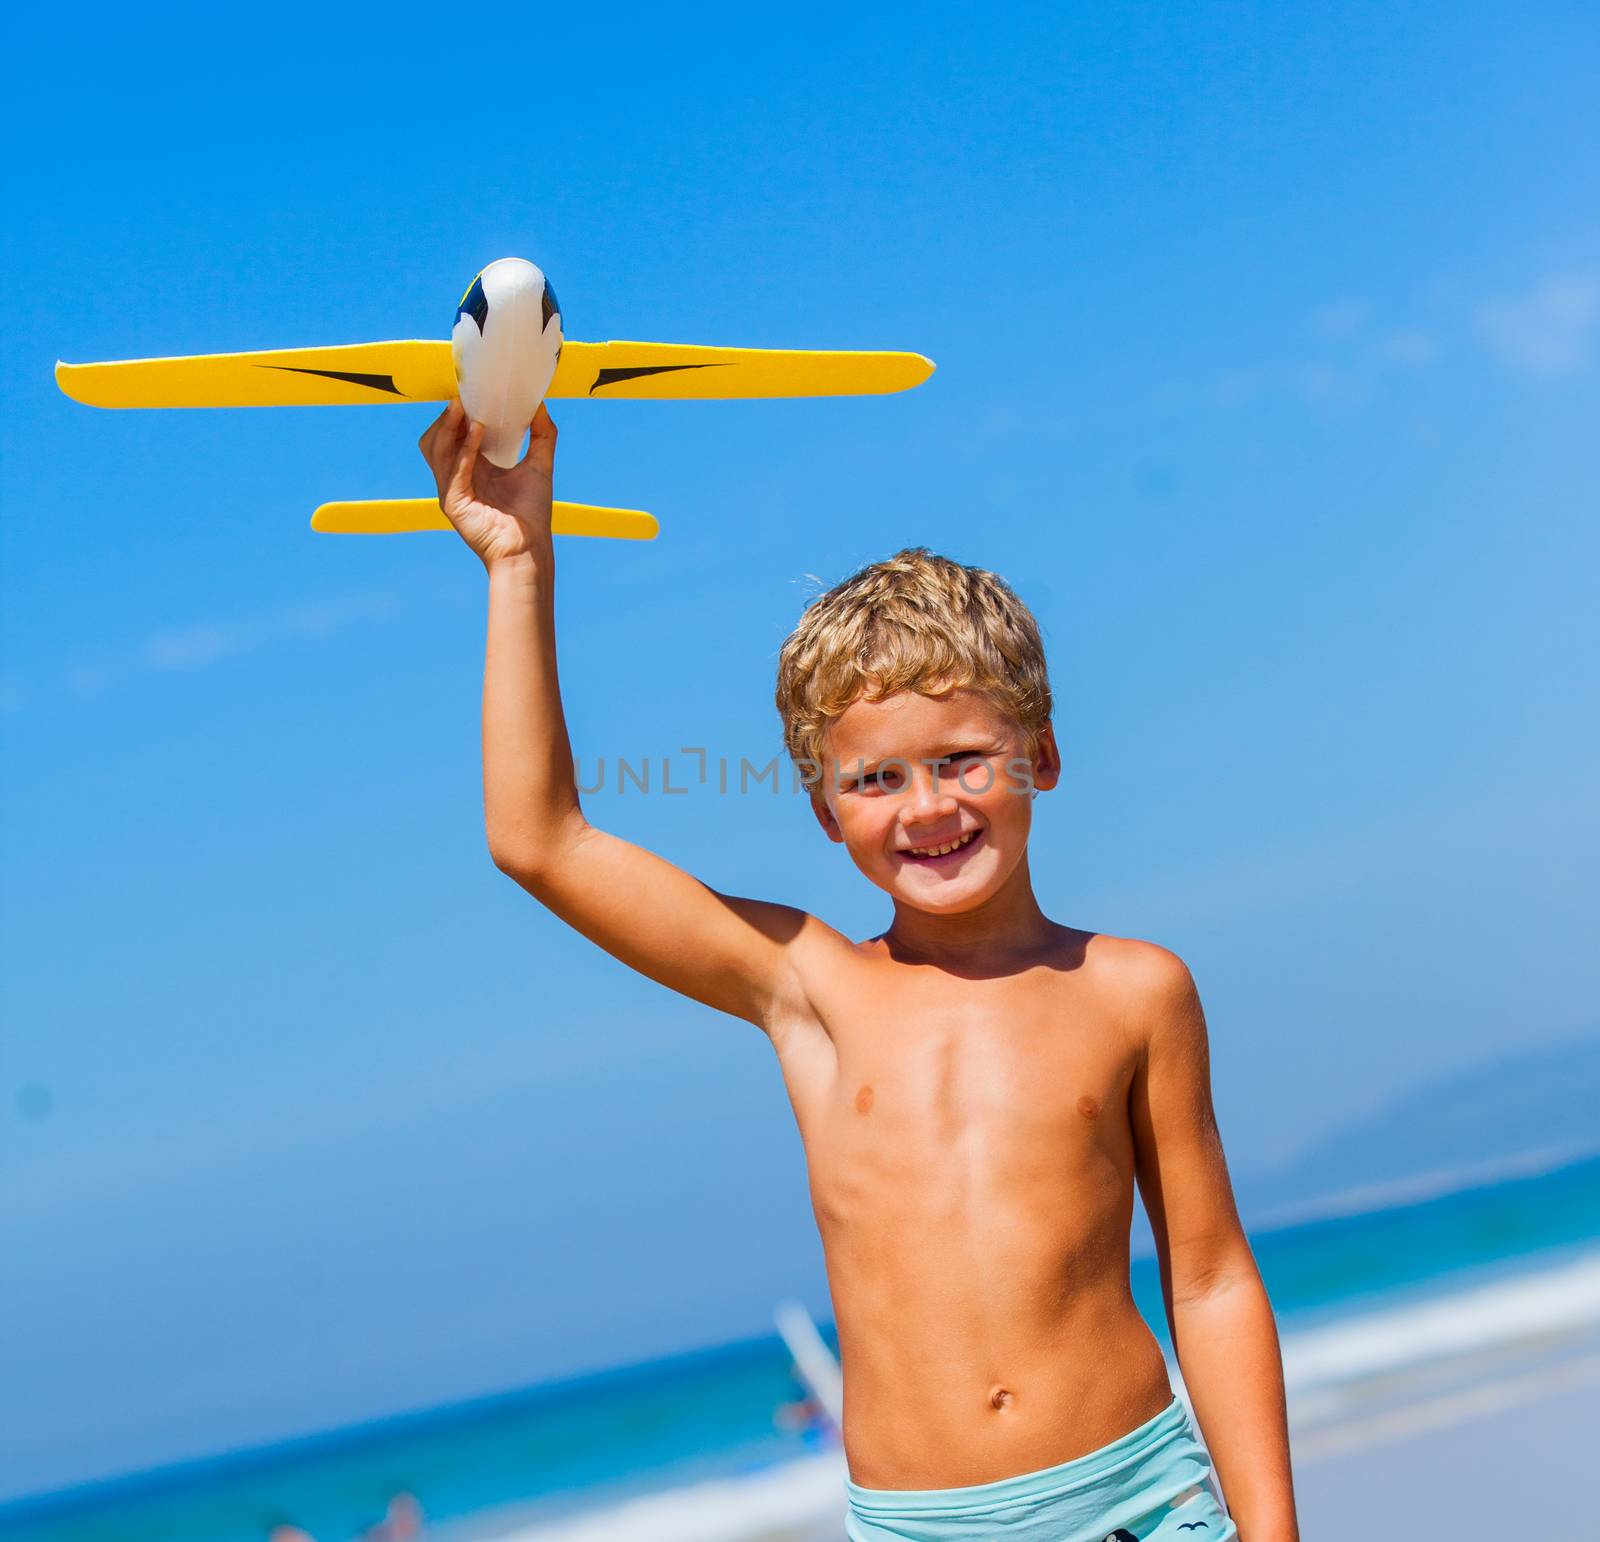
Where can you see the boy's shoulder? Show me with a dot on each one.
(1136, 964)
(1148, 986)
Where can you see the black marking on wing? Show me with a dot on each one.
(475, 303)
(1193, 1525)
(550, 305)
(617, 376)
(372, 382)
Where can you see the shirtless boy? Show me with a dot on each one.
(978, 1089)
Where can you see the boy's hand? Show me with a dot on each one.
(499, 514)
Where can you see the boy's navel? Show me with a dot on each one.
(1000, 1399)
(864, 1101)
(1088, 1107)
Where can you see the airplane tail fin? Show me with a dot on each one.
(393, 516)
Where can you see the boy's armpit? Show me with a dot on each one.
(730, 953)
(810, 954)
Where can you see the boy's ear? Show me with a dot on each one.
(1046, 760)
(830, 825)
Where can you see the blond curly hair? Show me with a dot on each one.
(915, 622)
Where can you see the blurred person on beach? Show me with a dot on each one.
(978, 1089)
(807, 1418)
(402, 1521)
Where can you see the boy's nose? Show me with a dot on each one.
(928, 800)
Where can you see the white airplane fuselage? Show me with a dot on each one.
(506, 341)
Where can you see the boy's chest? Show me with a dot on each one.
(1034, 1062)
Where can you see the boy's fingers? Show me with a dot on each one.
(441, 444)
(541, 441)
(446, 420)
(460, 486)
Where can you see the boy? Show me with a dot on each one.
(977, 1090)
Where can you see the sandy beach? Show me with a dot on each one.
(1493, 1459)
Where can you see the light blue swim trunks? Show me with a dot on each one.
(1152, 1485)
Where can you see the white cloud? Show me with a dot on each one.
(1404, 348)
(198, 644)
(1239, 387)
(1331, 385)
(188, 646)
(1341, 318)
(207, 642)
(1424, 839)
(1345, 375)
(1550, 331)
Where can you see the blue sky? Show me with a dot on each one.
(1267, 344)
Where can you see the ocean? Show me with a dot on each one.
(1463, 1275)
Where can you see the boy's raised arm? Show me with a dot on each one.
(732, 954)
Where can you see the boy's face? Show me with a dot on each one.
(905, 777)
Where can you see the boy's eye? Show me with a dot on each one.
(884, 779)
(959, 760)
(893, 776)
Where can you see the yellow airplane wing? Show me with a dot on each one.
(358, 374)
(353, 375)
(391, 516)
(676, 371)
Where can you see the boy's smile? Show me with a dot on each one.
(931, 795)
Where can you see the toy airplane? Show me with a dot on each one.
(505, 355)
